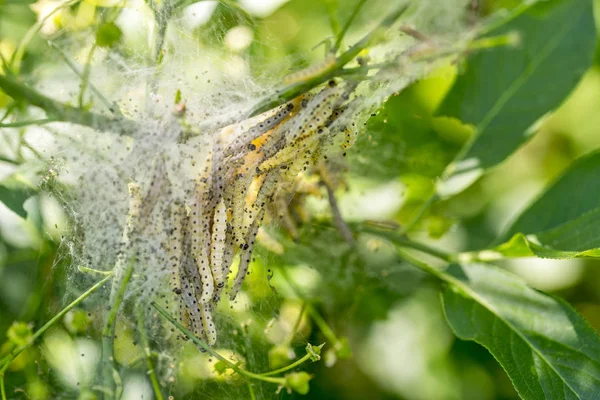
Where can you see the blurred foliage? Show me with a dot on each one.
(379, 317)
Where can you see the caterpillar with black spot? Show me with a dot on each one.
(312, 71)
(246, 255)
(199, 231)
(219, 230)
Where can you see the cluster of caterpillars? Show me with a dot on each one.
(249, 164)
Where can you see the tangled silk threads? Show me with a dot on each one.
(214, 220)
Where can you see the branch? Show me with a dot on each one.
(63, 112)
(294, 90)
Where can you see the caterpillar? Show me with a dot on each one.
(191, 284)
(200, 233)
(174, 244)
(219, 230)
(210, 333)
(312, 71)
(125, 251)
(246, 255)
(265, 124)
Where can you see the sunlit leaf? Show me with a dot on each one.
(504, 91)
(546, 348)
(564, 221)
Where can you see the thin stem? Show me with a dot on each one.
(20, 124)
(242, 372)
(323, 326)
(400, 240)
(11, 107)
(63, 112)
(146, 349)
(294, 90)
(108, 333)
(17, 56)
(288, 367)
(84, 77)
(347, 25)
(420, 213)
(8, 160)
(332, 6)
(12, 355)
(424, 267)
(340, 224)
(251, 390)
(314, 314)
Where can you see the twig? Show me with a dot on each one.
(8, 160)
(252, 395)
(400, 240)
(85, 78)
(63, 112)
(108, 333)
(19, 124)
(340, 224)
(293, 365)
(314, 314)
(7, 360)
(294, 90)
(230, 364)
(347, 25)
(334, 21)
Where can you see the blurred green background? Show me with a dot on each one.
(390, 314)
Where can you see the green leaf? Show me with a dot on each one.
(13, 194)
(547, 349)
(564, 221)
(503, 92)
(108, 34)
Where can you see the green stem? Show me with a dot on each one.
(400, 240)
(63, 112)
(288, 367)
(427, 268)
(332, 8)
(7, 360)
(314, 314)
(85, 77)
(17, 56)
(146, 349)
(242, 372)
(252, 395)
(341, 34)
(8, 160)
(20, 124)
(323, 326)
(108, 333)
(294, 90)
